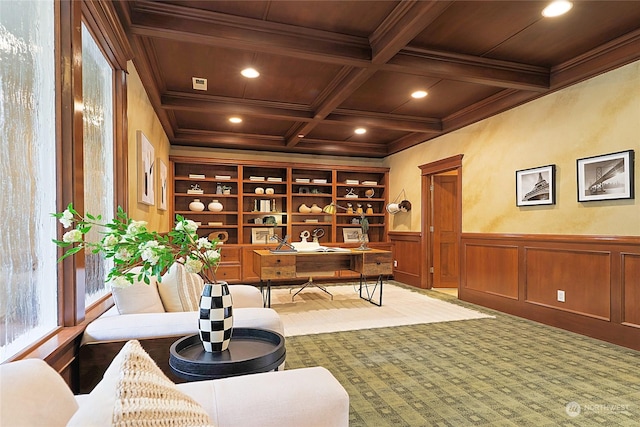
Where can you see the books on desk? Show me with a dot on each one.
(322, 249)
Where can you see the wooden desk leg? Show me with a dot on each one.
(370, 295)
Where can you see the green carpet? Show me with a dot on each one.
(504, 371)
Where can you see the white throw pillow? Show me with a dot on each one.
(134, 392)
(179, 290)
(138, 298)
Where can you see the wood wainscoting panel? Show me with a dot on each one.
(584, 276)
(406, 251)
(521, 274)
(631, 290)
(492, 269)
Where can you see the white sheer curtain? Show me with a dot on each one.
(28, 284)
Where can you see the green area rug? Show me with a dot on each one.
(502, 371)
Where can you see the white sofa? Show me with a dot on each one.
(33, 394)
(141, 313)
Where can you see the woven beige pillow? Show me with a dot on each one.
(135, 392)
(179, 290)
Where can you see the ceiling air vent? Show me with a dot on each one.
(199, 83)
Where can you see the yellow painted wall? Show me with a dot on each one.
(598, 116)
(141, 117)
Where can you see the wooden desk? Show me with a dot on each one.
(291, 265)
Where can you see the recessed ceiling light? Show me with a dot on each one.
(419, 94)
(557, 8)
(250, 73)
(360, 131)
(300, 135)
(235, 119)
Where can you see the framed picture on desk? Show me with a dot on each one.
(352, 235)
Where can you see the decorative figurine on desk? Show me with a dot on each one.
(317, 234)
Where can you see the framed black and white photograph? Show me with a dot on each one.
(536, 186)
(352, 235)
(162, 185)
(262, 235)
(146, 165)
(606, 177)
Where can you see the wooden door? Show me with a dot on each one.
(445, 232)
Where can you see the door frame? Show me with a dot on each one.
(426, 245)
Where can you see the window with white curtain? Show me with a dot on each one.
(28, 271)
(97, 95)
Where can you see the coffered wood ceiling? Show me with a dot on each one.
(328, 67)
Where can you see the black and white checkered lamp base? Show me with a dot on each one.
(216, 317)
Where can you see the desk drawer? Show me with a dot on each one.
(279, 272)
(374, 264)
(278, 261)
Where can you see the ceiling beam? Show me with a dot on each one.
(162, 20)
(402, 25)
(225, 105)
(235, 141)
(406, 21)
(472, 69)
(388, 43)
(384, 121)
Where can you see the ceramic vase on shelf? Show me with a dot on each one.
(215, 206)
(304, 208)
(196, 206)
(216, 317)
(315, 208)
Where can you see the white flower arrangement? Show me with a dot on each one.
(129, 244)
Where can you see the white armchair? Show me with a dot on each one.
(33, 394)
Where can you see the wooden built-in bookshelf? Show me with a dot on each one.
(263, 198)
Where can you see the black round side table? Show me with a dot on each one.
(250, 351)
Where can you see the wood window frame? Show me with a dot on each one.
(101, 20)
